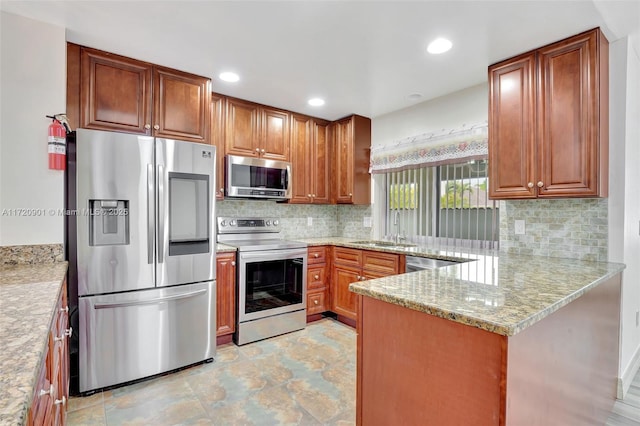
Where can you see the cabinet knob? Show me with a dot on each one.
(316, 255)
(62, 401)
(46, 392)
(156, 127)
(359, 278)
(262, 150)
(257, 149)
(316, 277)
(350, 194)
(540, 184)
(313, 195)
(309, 195)
(222, 190)
(147, 126)
(315, 301)
(65, 309)
(233, 263)
(530, 184)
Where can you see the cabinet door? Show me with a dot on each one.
(512, 128)
(344, 301)
(344, 161)
(274, 135)
(225, 293)
(300, 160)
(181, 105)
(569, 117)
(217, 139)
(319, 159)
(241, 133)
(115, 93)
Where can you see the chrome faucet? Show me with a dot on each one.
(396, 222)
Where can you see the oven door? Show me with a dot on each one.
(271, 282)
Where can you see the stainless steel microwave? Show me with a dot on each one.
(248, 177)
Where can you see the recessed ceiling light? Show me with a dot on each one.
(439, 45)
(231, 77)
(316, 102)
(415, 96)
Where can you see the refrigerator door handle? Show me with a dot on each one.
(161, 240)
(150, 214)
(153, 301)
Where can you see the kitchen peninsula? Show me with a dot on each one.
(501, 340)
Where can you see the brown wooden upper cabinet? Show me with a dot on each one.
(548, 121)
(310, 153)
(351, 178)
(122, 94)
(218, 112)
(254, 130)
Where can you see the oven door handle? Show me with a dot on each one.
(274, 255)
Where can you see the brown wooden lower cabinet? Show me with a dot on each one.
(317, 285)
(416, 369)
(352, 265)
(225, 296)
(51, 393)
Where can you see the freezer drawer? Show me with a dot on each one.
(128, 336)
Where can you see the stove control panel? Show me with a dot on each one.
(247, 225)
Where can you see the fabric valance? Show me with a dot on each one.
(432, 149)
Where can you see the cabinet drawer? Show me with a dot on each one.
(316, 302)
(380, 262)
(348, 257)
(317, 255)
(316, 277)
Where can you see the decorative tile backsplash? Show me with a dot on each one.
(327, 220)
(31, 254)
(570, 228)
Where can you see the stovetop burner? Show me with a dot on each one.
(254, 234)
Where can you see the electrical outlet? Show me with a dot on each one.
(366, 222)
(520, 230)
(309, 221)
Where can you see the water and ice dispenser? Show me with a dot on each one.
(108, 222)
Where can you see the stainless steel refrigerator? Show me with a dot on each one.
(145, 246)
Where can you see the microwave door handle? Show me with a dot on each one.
(150, 213)
(160, 214)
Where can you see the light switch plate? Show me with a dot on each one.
(520, 230)
(366, 222)
(309, 221)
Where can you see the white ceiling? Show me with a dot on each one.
(362, 57)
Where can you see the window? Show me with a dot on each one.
(448, 202)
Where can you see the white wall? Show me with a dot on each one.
(468, 106)
(627, 57)
(33, 84)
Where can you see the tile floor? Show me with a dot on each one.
(301, 378)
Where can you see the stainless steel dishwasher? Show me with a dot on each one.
(416, 263)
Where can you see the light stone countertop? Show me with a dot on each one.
(494, 291)
(222, 248)
(28, 295)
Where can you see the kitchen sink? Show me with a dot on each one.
(383, 244)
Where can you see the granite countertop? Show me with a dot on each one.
(222, 248)
(29, 294)
(491, 290)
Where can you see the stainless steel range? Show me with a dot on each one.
(271, 278)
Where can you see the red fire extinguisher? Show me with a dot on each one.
(57, 144)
